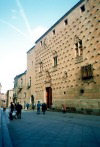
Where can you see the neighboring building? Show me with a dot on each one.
(30, 76)
(2, 98)
(24, 84)
(9, 96)
(20, 89)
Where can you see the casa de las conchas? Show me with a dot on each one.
(64, 65)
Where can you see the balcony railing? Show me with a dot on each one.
(15, 95)
(20, 88)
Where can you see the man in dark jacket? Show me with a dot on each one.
(11, 111)
(44, 108)
(18, 109)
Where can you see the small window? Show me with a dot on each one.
(66, 21)
(55, 61)
(25, 94)
(41, 43)
(76, 45)
(53, 32)
(80, 43)
(40, 67)
(30, 81)
(21, 81)
(81, 91)
(82, 8)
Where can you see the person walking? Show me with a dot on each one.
(44, 108)
(19, 109)
(38, 107)
(11, 111)
(27, 106)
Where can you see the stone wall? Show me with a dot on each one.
(80, 26)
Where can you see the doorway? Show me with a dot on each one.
(49, 97)
(32, 99)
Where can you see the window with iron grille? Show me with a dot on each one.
(87, 72)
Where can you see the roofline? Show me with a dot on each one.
(18, 76)
(60, 20)
(30, 49)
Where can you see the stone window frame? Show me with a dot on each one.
(24, 94)
(55, 59)
(30, 81)
(78, 46)
(40, 66)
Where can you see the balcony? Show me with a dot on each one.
(20, 88)
(15, 95)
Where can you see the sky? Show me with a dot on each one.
(22, 22)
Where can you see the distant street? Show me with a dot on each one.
(55, 129)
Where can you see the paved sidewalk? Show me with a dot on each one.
(5, 140)
(55, 130)
(0, 131)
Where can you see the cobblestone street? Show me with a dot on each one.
(54, 129)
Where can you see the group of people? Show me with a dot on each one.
(15, 111)
(44, 107)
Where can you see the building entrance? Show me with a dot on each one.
(49, 97)
(32, 99)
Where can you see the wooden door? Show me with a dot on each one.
(49, 96)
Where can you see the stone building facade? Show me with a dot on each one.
(64, 65)
(67, 59)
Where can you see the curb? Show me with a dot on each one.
(6, 140)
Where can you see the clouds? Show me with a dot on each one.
(22, 13)
(22, 22)
(18, 38)
(13, 57)
(13, 27)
